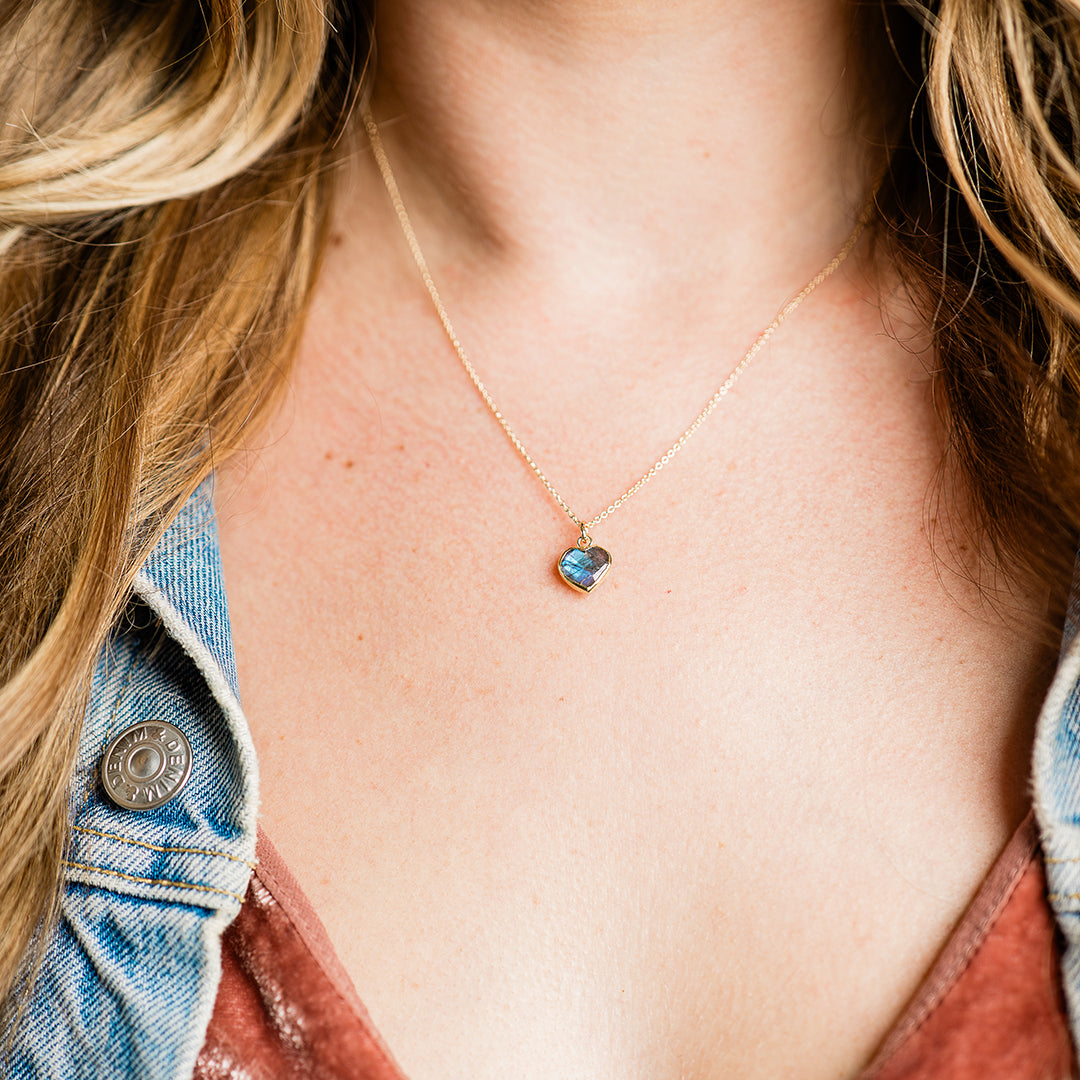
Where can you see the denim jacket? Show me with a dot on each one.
(130, 974)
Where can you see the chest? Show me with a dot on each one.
(715, 818)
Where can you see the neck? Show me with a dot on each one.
(619, 142)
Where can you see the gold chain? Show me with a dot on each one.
(725, 387)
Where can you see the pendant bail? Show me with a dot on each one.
(584, 541)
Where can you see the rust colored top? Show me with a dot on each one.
(990, 1008)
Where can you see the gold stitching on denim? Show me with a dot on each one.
(1061, 860)
(159, 847)
(152, 881)
(1055, 896)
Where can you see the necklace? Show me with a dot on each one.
(584, 565)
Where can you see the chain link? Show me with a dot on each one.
(759, 343)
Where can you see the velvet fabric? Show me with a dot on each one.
(990, 1008)
(285, 1008)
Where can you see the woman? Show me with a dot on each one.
(720, 816)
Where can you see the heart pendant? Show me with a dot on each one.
(583, 569)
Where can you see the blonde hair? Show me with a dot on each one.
(163, 188)
(979, 210)
(164, 181)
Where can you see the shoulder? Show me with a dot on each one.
(128, 980)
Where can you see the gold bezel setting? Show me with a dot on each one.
(600, 563)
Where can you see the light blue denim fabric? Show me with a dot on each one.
(1056, 794)
(128, 982)
(129, 978)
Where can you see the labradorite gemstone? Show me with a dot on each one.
(583, 569)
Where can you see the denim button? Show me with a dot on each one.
(146, 765)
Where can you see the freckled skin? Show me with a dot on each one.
(717, 817)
